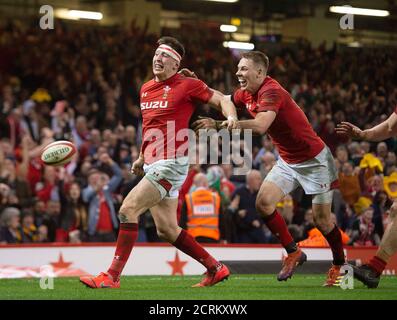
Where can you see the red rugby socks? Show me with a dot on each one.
(128, 234)
(334, 239)
(187, 244)
(377, 264)
(276, 223)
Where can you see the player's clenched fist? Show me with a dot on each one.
(137, 167)
(230, 124)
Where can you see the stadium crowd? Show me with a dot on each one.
(82, 84)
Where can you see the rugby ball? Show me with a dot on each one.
(58, 153)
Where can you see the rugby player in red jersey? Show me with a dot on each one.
(370, 272)
(304, 159)
(167, 103)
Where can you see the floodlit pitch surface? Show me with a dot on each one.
(237, 287)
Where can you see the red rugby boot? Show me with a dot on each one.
(103, 280)
(212, 278)
(290, 263)
(333, 277)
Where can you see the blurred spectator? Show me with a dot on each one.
(268, 160)
(215, 175)
(102, 219)
(32, 122)
(266, 146)
(363, 230)
(202, 215)
(42, 234)
(30, 232)
(10, 226)
(390, 163)
(17, 183)
(249, 225)
(80, 131)
(227, 187)
(355, 153)
(342, 155)
(308, 223)
(381, 204)
(374, 185)
(39, 211)
(48, 189)
(381, 151)
(349, 184)
(51, 219)
(74, 213)
(328, 134)
(7, 197)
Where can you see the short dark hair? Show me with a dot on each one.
(257, 57)
(173, 43)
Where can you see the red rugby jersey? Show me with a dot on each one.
(290, 131)
(166, 108)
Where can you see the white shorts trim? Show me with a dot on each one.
(167, 172)
(315, 176)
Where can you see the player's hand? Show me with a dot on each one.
(137, 167)
(188, 73)
(204, 123)
(230, 124)
(350, 130)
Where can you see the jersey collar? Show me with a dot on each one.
(169, 80)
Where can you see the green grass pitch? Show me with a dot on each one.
(237, 287)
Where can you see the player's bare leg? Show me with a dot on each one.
(322, 220)
(140, 199)
(165, 219)
(268, 197)
(370, 273)
(164, 215)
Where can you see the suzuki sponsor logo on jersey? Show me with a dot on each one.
(154, 105)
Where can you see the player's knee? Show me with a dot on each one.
(264, 205)
(128, 212)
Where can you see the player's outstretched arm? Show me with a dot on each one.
(260, 124)
(382, 131)
(225, 104)
(218, 101)
(206, 123)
